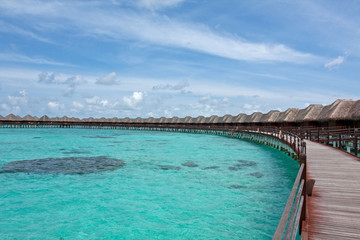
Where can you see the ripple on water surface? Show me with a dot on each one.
(111, 184)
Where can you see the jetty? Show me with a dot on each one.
(325, 200)
(333, 210)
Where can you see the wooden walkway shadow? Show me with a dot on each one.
(333, 210)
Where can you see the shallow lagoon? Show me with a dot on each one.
(171, 186)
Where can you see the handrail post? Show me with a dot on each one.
(318, 135)
(356, 141)
(303, 161)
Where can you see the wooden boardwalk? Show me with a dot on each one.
(333, 210)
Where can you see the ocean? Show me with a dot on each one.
(126, 184)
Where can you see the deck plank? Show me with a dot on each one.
(334, 207)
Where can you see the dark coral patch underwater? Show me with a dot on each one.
(66, 165)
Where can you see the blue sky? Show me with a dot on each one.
(153, 58)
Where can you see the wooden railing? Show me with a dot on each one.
(346, 139)
(295, 208)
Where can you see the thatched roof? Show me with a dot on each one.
(168, 120)
(288, 116)
(27, 118)
(200, 119)
(55, 119)
(240, 118)
(162, 120)
(12, 117)
(74, 119)
(354, 112)
(137, 120)
(213, 119)
(270, 116)
(126, 120)
(114, 120)
(149, 120)
(255, 117)
(193, 120)
(90, 119)
(311, 113)
(187, 119)
(181, 120)
(228, 118)
(339, 110)
(174, 120)
(44, 118)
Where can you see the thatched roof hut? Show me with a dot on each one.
(44, 118)
(55, 119)
(339, 110)
(162, 120)
(311, 113)
(12, 117)
(269, 117)
(288, 116)
(27, 118)
(187, 119)
(114, 120)
(126, 120)
(254, 118)
(354, 112)
(228, 118)
(174, 120)
(200, 119)
(240, 118)
(90, 119)
(213, 119)
(193, 120)
(74, 119)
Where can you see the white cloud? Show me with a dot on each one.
(154, 29)
(92, 101)
(5, 107)
(50, 78)
(335, 62)
(55, 106)
(134, 100)
(98, 101)
(72, 83)
(77, 105)
(75, 80)
(158, 4)
(14, 57)
(209, 105)
(176, 87)
(110, 79)
(55, 78)
(5, 27)
(16, 103)
(251, 108)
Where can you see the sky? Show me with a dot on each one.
(154, 58)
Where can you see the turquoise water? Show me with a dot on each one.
(172, 186)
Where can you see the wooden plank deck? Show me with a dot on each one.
(333, 210)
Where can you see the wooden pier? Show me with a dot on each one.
(333, 210)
